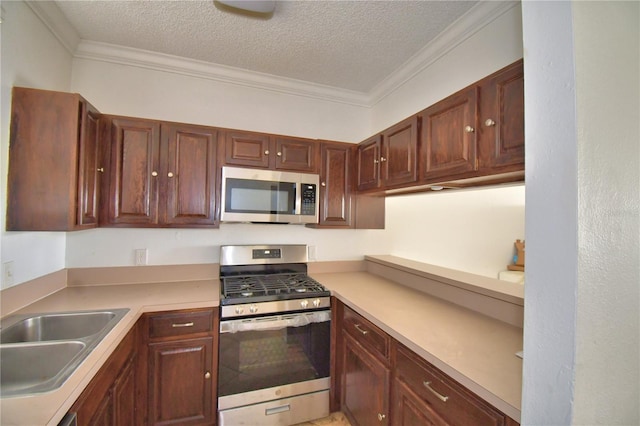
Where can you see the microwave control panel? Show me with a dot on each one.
(308, 199)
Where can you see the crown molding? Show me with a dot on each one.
(474, 20)
(201, 69)
(53, 18)
(466, 26)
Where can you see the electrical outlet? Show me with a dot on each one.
(7, 274)
(141, 256)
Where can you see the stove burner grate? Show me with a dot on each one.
(277, 285)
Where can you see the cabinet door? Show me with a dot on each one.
(89, 167)
(335, 185)
(449, 137)
(180, 382)
(124, 395)
(246, 149)
(51, 179)
(365, 385)
(293, 154)
(399, 153)
(502, 118)
(134, 171)
(410, 410)
(368, 159)
(189, 176)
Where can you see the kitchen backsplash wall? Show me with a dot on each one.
(115, 247)
(472, 230)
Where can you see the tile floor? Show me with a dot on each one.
(334, 419)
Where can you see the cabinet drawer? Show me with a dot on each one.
(180, 323)
(366, 333)
(450, 400)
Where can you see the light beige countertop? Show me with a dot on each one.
(49, 408)
(476, 350)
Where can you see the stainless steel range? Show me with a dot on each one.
(274, 337)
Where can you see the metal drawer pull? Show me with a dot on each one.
(361, 330)
(433, 391)
(381, 417)
(186, 324)
(276, 410)
(207, 375)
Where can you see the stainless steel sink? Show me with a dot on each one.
(38, 352)
(64, 326)
(38, 367)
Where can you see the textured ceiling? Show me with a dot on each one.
(344, 44)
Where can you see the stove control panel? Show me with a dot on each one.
(267, 253)
(277, 306)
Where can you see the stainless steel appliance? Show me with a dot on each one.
(274, 337)
(256, 195)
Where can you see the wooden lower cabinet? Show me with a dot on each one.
(181, 351)
(110, 398)
(381, 382)
(365, 385)
(423, 392)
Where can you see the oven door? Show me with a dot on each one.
(272, 357)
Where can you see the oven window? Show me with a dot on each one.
(252, 196)
(257, 359)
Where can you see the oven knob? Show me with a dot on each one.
(253, 309)
(239, 310)
(304, 303)
(316, 302)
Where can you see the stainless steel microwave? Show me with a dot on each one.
(268, 196)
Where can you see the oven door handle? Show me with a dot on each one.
(274, 322)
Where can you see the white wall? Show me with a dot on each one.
(581, 342)
(140, 92)
(31, 57)
(473, 230)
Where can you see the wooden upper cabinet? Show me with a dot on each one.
(160, 174)
(449, 137)
(133, 170)
(270, 152)
(398, 161)
(502, 119)
(295, 154)
(335, 184)
(368, 163)
(53, 162)
(190, 174)
(246, 149)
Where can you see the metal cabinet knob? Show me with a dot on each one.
(266, 152)
(279, 154)
(383, 159)
(101, 169)
(323, 184)
(375, 161)
(170, 174)
(489, 122)
(469, 129)
(207, 375)
(154, 173)
(381, 416)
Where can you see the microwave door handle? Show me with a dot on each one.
(298, 198)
